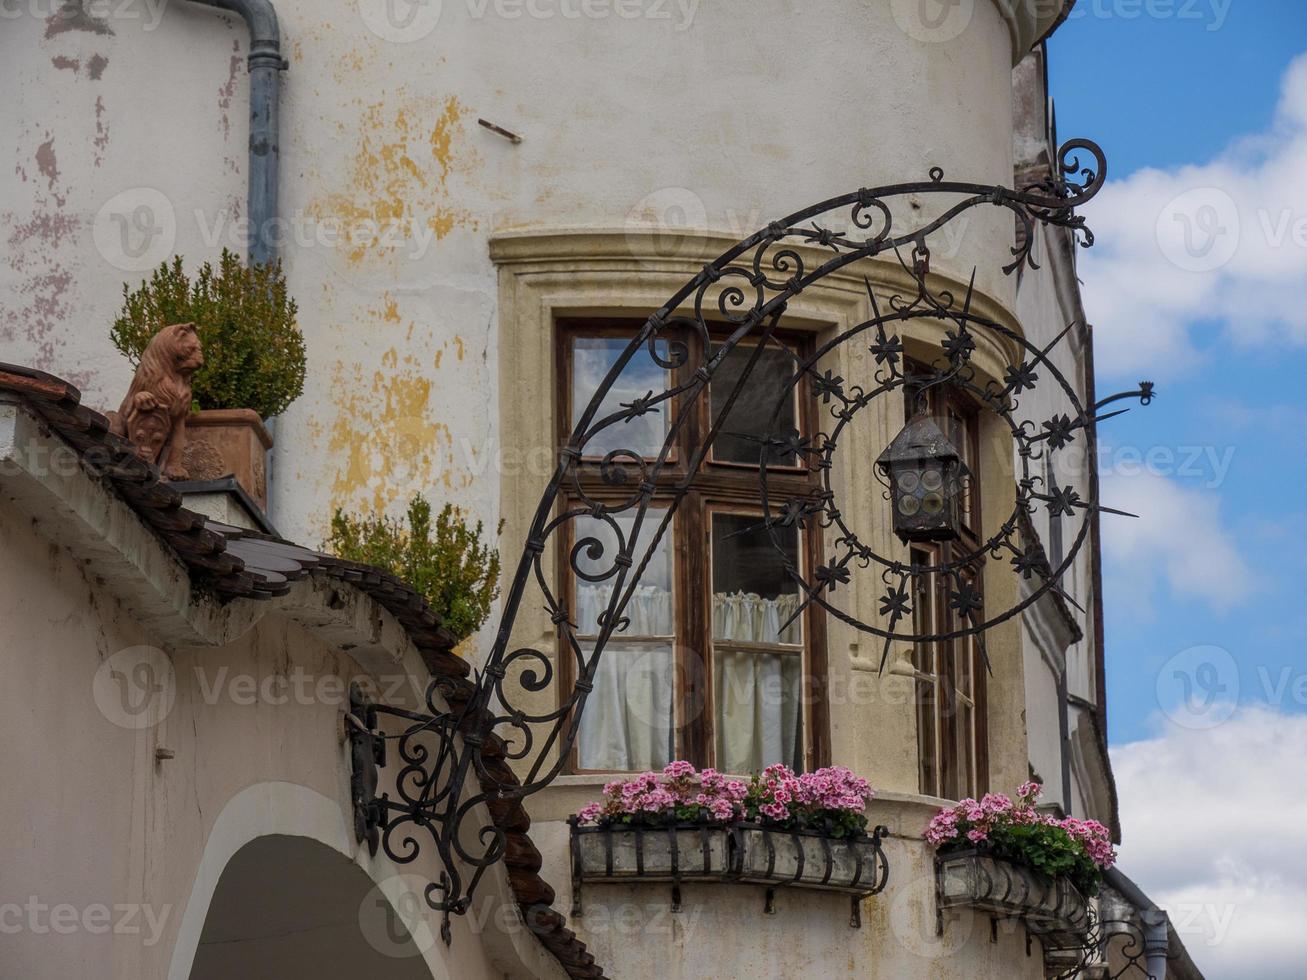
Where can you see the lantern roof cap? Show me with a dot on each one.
(920, 439)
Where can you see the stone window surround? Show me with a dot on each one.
(545, 275)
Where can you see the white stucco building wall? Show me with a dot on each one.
(129, 129)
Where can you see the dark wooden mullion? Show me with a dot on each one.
(817, 672)
(945, 692)
(694, 651)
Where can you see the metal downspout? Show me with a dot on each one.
(1157, 942)
(265, 66)
(264, 159)
(1156, 925)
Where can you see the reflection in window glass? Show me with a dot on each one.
(628, 719)
(750, 420)
(592, 358)
(757, 652)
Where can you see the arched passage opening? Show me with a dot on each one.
(288, 908)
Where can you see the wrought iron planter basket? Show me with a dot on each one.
(1052, 909)
(738, 852)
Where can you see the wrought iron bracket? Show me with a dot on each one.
(1116, 948)
(422, 804)
(1146, 392)
(441, 775)
(367, 751)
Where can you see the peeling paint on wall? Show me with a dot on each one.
(101, 138)
(459, 350)
(48, 165)
(397, 193)
(95, 65)
(388, 444)
(227, 90)
(37, 306)
(73, 16)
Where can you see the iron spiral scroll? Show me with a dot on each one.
(1114, 945)
(746, 290)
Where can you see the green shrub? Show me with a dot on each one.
(446, 562)
(253, 351)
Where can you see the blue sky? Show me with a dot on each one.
(1177, 92)
(1198, 282)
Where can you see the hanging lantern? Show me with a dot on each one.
(925, 475)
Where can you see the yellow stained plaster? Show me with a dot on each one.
(459, 350)
(397, 177)
(387, 444)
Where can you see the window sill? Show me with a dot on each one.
(905, 814)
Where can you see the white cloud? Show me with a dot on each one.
(1223, 243)
(1213, 832)
(1179, 534)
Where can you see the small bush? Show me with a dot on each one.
(253, 350)
(446, 562)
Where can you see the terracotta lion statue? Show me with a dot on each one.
(153, 415)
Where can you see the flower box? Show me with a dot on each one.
(778, 829)
(678, 852)
(809, 860)
(1051, 908)
(736, 852)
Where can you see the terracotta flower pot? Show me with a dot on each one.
(228, 441)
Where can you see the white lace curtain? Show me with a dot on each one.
(650, 610)
(756, 691)
(627, 723)
(749, 618)
(740, 616)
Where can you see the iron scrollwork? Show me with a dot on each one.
(746, 289)
(1115, 947)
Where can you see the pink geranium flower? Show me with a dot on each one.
(832, 799)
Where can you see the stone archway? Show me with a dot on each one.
(290, 907)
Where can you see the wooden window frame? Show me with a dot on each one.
(719, 485)
(938, 665)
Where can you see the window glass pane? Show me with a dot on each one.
(650, 609)
(751, 415)
(757, 691)
(759, 715)
(960, 433)
(628, 724)
(592, 358)
(753, 594)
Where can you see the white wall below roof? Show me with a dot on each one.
(724, 123)
(253, 727)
